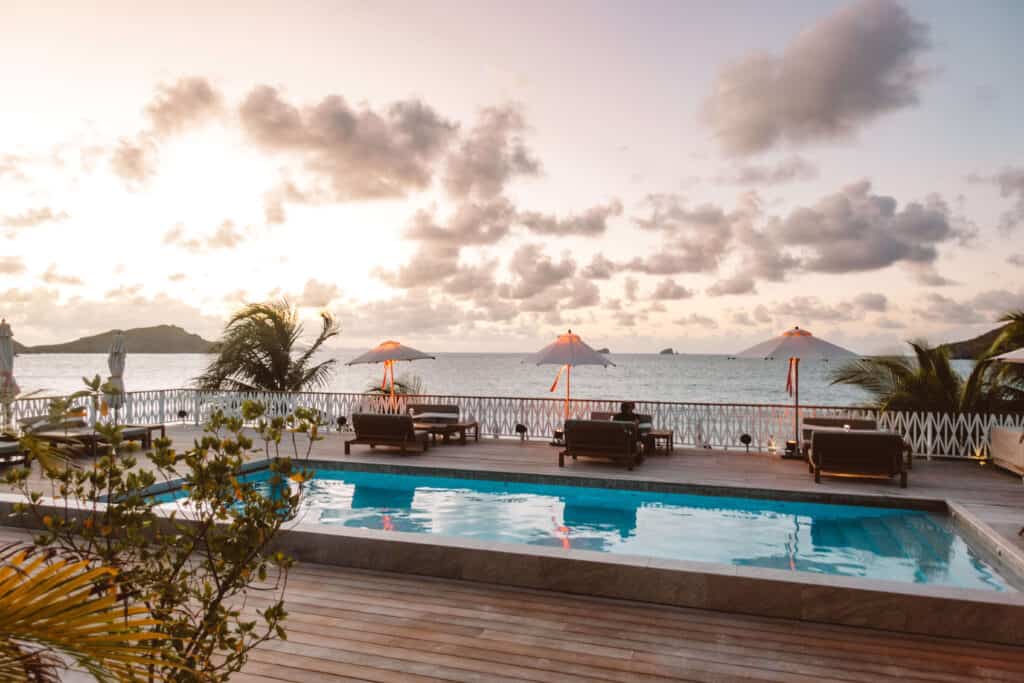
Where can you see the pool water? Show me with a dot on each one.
(847, 540)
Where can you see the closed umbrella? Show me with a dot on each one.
(388, 353)
(567, 351)
(796, 345)
(116, 362)
(8, 387)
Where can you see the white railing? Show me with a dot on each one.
(715, 425)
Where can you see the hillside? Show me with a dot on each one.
(971, 348)
(19, 347)
(158, 339)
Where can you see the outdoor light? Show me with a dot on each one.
(342, 421)
(521, 431)
(745, 440)
(182, 414)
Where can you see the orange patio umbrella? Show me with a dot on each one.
(796, 345)
(388, 352)
(568, 350)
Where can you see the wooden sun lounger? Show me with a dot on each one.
(601, 439)
(387, 430)
(859, 453)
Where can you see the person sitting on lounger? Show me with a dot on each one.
(627, 413)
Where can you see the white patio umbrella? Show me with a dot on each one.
(388, 352)
(568, 350)
(796, 345)
(1011, 356)
(8, 386)
(116, 362)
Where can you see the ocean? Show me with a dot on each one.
(691, 378)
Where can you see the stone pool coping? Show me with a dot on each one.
(889, 605)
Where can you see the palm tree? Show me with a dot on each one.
(930, 383)
(258, 351)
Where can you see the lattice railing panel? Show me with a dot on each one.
(714, 425)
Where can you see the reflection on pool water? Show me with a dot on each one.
(879, 543)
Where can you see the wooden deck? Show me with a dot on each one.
(354, 625)
(351, 625)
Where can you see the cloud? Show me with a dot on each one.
(926, 274)
(472, 223)
(871, 301)
(845, 71)
(695, 240)
(11, 265)
(785, 171)
(52, 277)
(225, 236)
(360, 153)
(316, 294)
(134, 161)
(599, 268)
(739, 284)
(491, 155)
(630, 287)
(11, 167)
(669, 290)
(985, 307)
(429, 265)
(695, 319)
(414, 313)
(591, 223)
(182, 104)
(175, 107)
(534, 271)
(1010, 182)
(1016, 260)
(33, 217)
(177, 277)
(855, 230)
(476, 281)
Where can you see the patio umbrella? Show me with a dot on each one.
(796, 345)
(1012, 356)
(388, 352)
(116, 362)
(568, 350)
(8, 387)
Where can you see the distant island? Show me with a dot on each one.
(604, 350)
(156, 339)
(667, 352)
(972, 348)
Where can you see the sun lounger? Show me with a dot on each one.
(851, 423)
(858, 453)
(11, 452)
(386, 430)
(601, 439)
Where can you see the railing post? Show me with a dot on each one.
(195, 406)
(162, 403)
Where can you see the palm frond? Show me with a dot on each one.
(53, 607)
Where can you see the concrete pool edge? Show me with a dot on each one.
(896, 606)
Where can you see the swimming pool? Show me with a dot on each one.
(847, 540)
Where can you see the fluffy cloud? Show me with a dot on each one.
(984, 307)
(225, 236)
(697, 320)
(175, 107)
(358, 152)
(1016, 260)
(491, 155)
(669, 290)
(187, 102)
(316, 294)
(472, 223)
(871, 301)
(30, 218)
(599, 268)
(695, 240)
(591, 223)
(630, 288)
(855, 230)
(739, 284)
(841, 73)
(1010, 182)
(52, 277)
(11, 265)
(785, 171)
(429, 265)
(534, 271)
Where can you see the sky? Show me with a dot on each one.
(482, 176)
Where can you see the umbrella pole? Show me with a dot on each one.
(796, 404)
(568, 388)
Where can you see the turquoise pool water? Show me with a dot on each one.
(879, 543)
